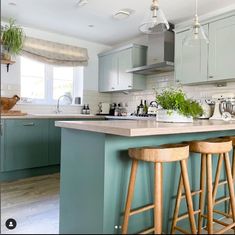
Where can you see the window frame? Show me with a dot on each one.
(77, 90)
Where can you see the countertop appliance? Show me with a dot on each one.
(160, 57)
(104, 108)
(224, 106)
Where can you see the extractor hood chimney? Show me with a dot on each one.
(160, 54)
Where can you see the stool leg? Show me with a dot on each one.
(209, 195)
(233, 165)
(130, 196)
(177, 205)
(202, 194)
(158, 198)
(217, 176)
(188, 195)
(230, 185)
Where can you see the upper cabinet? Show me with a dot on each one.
(114, 64)
(222, 49)
(190, 62)
(207, 63)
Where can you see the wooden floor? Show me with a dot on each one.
(34, 204)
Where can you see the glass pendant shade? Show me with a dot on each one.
(155, 22)
(196, 35)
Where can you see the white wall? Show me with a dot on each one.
(90, 72)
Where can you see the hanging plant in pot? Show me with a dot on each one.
(12, 38)
(176, 107)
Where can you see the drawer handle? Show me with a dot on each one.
(29, 124)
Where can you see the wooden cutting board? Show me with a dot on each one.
(13, 113)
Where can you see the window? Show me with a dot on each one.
(44, 83)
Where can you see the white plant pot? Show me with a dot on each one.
(163, 116)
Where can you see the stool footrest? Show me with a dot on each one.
(223, 213)
(141, 209)
(222, 182)
(182, 230)
(222, 200)
(186, 215)
(147, 231)
(226, 226)
(222, 231)
(192, 194)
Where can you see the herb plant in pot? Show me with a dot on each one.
(176, 107)
(12, 38)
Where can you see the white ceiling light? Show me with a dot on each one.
(123, 14)
(81, 3)
(196, 34)
(156, 21)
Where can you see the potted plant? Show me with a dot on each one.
(176, 107)
(12, 38)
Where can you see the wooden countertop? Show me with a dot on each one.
(147, 128)
(54, 116)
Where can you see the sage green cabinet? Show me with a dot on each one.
(207, 63)
(25, 144)
(222, 49)
(54, 143)
(114, 64)
(190, 62)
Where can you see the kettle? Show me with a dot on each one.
(153, 107)
(207, 108)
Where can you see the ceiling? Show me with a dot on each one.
(63, 16)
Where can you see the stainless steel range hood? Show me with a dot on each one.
(160, 55)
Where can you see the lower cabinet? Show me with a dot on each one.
(30, 143)
(25, 144)
(54, 143)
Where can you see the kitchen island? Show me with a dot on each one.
(95, 170)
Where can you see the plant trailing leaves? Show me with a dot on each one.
(175, 100)
(12, 37)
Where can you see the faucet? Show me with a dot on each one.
(58, 103)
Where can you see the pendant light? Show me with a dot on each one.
(196, 34)
(155, 22)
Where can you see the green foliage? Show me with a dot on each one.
(12, 37)
(175, 99)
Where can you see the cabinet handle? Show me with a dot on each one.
(211, 76)
(130, 86)
(29, 124)
(113, 88)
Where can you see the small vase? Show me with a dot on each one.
(164, 115)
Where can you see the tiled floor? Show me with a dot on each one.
(34, 204)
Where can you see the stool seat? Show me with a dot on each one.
(211, 146)
(163, 153)
(233, 140)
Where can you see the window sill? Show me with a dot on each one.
(54, 104)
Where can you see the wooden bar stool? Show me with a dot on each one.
(217, 183)
(158, 156)
(220, 147)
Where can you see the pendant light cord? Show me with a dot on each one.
(196, 6)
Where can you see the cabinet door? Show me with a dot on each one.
(190, 62)
(108, 72)
(222, 49)
(54, 143)
(125, 80)
(26, 144)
